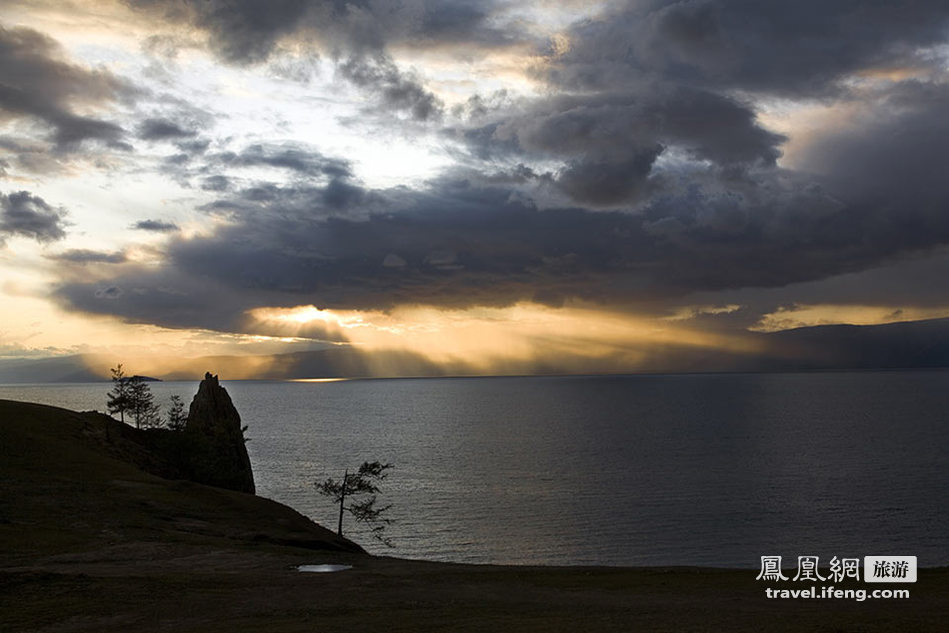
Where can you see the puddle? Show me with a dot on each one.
(322, 569)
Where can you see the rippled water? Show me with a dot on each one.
(635, 470)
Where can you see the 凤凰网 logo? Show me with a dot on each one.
(875, 569)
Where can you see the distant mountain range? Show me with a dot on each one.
(54, 369)
(906, 345)
(910, 344)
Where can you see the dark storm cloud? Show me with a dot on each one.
(610, 142)
(889, 166)
(32, 62)
(479, 240)
(464, 243)
(319, 185)
(448, 247)
(248, 31)
(162, 297)
(790, 48)
(85, 256)
(268, 199)
(658, 79)
(243, 31)
(339, 195)
(30, 155)
(365, 26)
(216, 183)
(24, 214)
(657, 129)
(458, 246)
(920, 281)
(156, 226)
(395, 88)
(358, 32)
(710, 126)
(650, 113)
(162, 130)
(69, 129)
(607, 181)
(298, 159)
(36, 82)
(478, 107)
(894, 146)
(460, 20)
(483, 142)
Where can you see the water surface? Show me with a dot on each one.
(713, 469)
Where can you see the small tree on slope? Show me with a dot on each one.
(132, 394)
(146, 413)
(362, 485)
(177, 418)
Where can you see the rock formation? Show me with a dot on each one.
(217, 454)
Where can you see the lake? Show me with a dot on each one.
(705, 469)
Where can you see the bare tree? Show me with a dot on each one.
(361, 484)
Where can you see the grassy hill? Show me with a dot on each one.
(81, 480)
(91, 541)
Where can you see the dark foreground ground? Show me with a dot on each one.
(90, 542)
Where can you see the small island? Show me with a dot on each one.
(146, 378)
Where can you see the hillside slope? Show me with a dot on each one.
(76, 480)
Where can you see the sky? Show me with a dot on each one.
(507, 186)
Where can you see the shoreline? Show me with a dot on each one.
(90, 542)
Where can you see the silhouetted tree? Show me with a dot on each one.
(119, 401)
(132, 394)
(363, 483)
(176, 414)
(146, 413)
